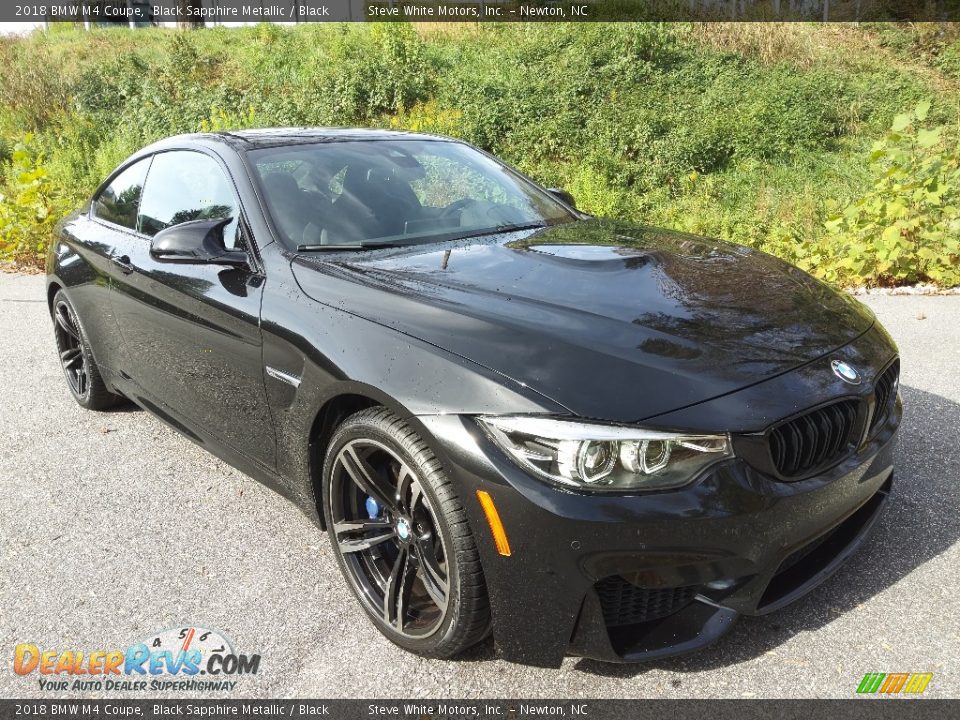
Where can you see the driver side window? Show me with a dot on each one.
(183, 185)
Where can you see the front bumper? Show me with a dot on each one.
(635, 578)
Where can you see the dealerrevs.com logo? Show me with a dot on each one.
(191, 659)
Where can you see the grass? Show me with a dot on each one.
(748, 132)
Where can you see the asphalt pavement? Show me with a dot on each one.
(114, 527)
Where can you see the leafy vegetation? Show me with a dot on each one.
(907, 226)
(776, 136)
(29, 207)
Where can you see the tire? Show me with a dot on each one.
(76, 358)
(425, 534)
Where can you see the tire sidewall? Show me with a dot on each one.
(365, 430)
(58, 299)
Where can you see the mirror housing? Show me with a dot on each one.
(563, 196)
(197, 241)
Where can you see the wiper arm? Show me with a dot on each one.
(352, 246)
(415, 240)
(504, 229)
(522, 226)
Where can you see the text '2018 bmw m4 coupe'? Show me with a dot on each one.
(587, 437)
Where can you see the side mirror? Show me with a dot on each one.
(563, 196)
(197, 241)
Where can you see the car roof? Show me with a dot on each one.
(272, 137)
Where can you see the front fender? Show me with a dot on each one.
(327, 353)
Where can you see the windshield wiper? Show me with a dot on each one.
(352, 246)
(415, 240)
(504, 229)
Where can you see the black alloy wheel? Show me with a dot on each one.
(401, 537)
(70, 347)
(386, 532)
(76, 359)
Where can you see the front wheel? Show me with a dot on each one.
(401, 537)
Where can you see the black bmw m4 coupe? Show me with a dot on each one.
(587, 437)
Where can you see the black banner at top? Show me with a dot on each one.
(136, 13)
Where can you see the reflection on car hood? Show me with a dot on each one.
(611, 320)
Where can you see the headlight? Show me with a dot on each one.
(605, 457)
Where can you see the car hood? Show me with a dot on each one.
(611, 320)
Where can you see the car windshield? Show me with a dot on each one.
(394, 192)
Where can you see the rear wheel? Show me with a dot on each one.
(79, 368)
(401, 537)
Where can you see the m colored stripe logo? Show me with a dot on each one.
(894, 683)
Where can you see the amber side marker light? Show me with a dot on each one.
(493, 520)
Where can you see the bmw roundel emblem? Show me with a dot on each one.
(846, 372)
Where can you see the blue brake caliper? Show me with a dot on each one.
(373, 509)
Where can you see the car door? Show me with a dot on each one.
(191, 331)
(93, 237)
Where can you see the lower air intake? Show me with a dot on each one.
(624, 603)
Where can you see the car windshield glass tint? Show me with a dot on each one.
(394, 192)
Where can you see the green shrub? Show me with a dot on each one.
(906, 228)
(743, 132)
(949, 60)
(29, 205)
(373, 71)
(33, 85)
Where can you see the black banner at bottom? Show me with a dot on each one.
(854, 709)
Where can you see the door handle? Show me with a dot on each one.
(123, 262)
